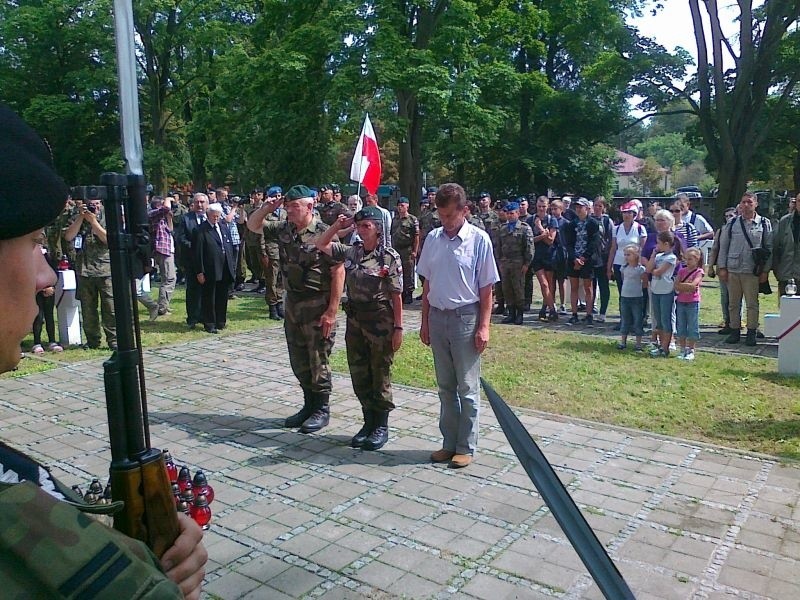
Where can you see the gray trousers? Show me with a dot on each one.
(166, 268)
(458, 369)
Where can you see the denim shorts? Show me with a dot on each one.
(687, 315)
(662, 311)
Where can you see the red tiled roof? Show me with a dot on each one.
(627, 164)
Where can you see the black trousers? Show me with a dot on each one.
(214, 296)
(194, 312)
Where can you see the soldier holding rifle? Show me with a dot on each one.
(35, 514)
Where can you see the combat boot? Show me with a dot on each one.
(321, 415)
(299, 417)
(380, 435)
(273, 312)
(512, 316)
(519, 313)
(279, 309)
(500, 309)
(366, 429)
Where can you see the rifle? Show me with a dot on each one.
(138, 476)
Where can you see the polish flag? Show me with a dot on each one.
(366, 165)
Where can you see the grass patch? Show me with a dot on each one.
(248, 313)
(734, 401)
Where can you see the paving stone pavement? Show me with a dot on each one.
(307, 516)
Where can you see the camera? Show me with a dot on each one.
(88, 192)
(91, 208)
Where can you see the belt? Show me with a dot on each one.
(467, 309)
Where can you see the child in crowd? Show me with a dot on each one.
(631, 298)
(687, 287)
(662, 266)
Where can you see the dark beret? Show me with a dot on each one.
(32, 194)
(298, 191)
(372, 213)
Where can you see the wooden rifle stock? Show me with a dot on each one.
(138, 475)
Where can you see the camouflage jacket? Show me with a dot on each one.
(305, 269)
(516, 244)
(428, 221)
(250, 238)
(489, 219)
(51, 549)
(93, 258)
(404, 230)
(477, 222)
(330, 211)
(370, 276)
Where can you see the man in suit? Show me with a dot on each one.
(215, 266)
(185, 237)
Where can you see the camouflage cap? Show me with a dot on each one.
(32, 194)
(296, 192)
(368, 213)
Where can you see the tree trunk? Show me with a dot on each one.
(410, 148)
(796, 169)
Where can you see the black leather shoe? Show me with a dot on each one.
(297, 418)
(321, 415)
(366, 429)
(725, 330)
(750, 338)
(279, 309)
(380, 435)
(273, 312)
(734, 337)
(211, 329)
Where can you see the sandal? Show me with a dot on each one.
(37, 349)
(54, 347)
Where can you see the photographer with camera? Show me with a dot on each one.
(87, 232)
(744, 261)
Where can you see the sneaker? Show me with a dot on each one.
(621, 346)
(617, 327)
(638, 348)
(656, 352)
(153, 313)
(589, 320)
(672, 347)
(581, 306)
(55, 347)
(562, 310)
(553, 317)
(601, 318)
(573, 320)
(37, 349)
(689, 355)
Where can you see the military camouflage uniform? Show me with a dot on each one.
(514, 249)
(428, 221)
(490, 220)
(274, 293)
(404, 231)
(307, 280)
(253, 246)
(51, 549)
(330, 211)
(93, 264)
(371, 278)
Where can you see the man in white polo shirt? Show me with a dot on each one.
(458, 265)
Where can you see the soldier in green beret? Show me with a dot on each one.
(405, 239)
(314, 283)
(49, 548)
(87, 232)
(374, 277)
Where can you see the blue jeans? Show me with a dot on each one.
(457, 364)
(688, 317)
(662, 311)
(631, 312)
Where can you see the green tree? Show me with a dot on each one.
(57, 69)
(669, 149)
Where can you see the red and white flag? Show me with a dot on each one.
(366, 165)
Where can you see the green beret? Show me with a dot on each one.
(403, 200)
(296, 192)
(32, 194)
(372, 213)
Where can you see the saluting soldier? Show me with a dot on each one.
(405, 239)
(314, 283)
(87, 232)
(270, 259)
(514, 253)
(328, 208)
(374, 318)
